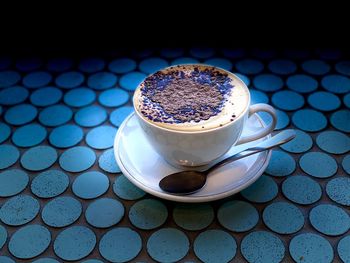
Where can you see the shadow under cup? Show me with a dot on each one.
(200, 147)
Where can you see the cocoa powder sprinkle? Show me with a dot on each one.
(179, 96)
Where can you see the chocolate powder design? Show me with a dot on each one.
(180, 96)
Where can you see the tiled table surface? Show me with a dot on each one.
(299, 209)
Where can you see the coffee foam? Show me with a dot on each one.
(234, 103)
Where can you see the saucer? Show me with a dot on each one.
(144, 167)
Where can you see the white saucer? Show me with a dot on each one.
(145, 168)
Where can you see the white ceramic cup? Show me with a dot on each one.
(196, 148)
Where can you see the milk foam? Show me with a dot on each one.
(234, 106)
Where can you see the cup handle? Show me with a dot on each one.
(264, 131)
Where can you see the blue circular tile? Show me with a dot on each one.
(148, 214)
(29, 135)
(124, 189)
(168, 245)
(13, 95)
(119, 115)
(5, 132)
(257, 96)
(338, 189)
(219, 62)
(343, 67)
(113, 97)
(79, 97)
(318, 164)
(9, 78)
(346, 100)
(336, 84)
(333, 142)
(281, 164)
(341, 120)
(107, 162)
(113, 246)
(39, 158)
(4, 259)
(215, 245)
(237, 216)
(46, 260)
(66, 136)
(59, 64)
(74, 243)
(316, 67)
(9, 155)
(20, 114)
(3, 237)
(346, 164)
(193, 217)
(19, 210)
(302, 83)
(13, 182)
(301, 143)
(131, 80)
(49, 184)
(324, 101)
(29, 64)
(309, 120)
(202, 53)
(37, 79)
(122, 65)
(151, 65)
(91, 65)
(233, 52)
(263, 190)
(46, 96)
(101, 137)
(69, 80)
(5, 62)
(268, 82)
(29, 241)
(301, 190)
(329, 219)
(102, 80)
(172, 52)
(249, 66)
(343, 249)
(61, 211)
(77, 159)
(90, 116)
(262, 246)
(283, 218)
(244, 78)
(104, 212)
(309, 247)
(287, 100)
(282, 66)
(184, 60)
(90, 185)
(55, 115)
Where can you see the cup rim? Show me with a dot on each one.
(199, 131)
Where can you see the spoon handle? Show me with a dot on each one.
(267, 144)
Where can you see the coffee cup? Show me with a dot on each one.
(195, 135)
